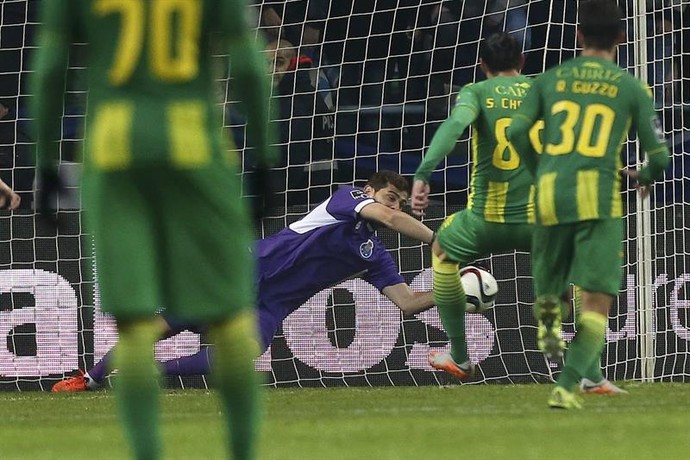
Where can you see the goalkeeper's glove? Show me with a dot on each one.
(50, 187)
(261, 193)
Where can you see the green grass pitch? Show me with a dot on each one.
(456, 422)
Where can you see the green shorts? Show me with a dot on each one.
(178, 239)
(465, 237)
(588, 254)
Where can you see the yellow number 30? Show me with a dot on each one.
(588, 144)
(172, 62)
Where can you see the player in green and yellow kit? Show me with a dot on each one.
(161, 187)
(589, 104)
(500, 212)
(500, 209)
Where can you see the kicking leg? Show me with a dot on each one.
(450, 299)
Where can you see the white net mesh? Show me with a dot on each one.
(364, 85)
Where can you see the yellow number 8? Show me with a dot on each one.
(504, 146)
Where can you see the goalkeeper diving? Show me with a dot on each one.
(334, 242)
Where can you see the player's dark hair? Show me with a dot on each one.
(383, 178)
(600, 22)
(500, 51)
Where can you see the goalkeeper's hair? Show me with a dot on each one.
(500, 51)
(383, 178)
(601, 23)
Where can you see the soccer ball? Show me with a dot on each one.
(480, 287)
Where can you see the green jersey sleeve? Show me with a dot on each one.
(464, 113)
(650, 133)
(48, 81)
(248, 72)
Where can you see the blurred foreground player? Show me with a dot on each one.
(161, 191)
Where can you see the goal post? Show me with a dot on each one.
(643, 218)
(365, 86)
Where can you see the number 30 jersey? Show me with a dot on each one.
(501, 187)
(588, 106)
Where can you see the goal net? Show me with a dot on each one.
(362, 86)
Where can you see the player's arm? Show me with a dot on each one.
(652, 141)
(48, 81)
(8, 198)
(407, 300)
(442, 144)
(525, 117)
(398, 221)
(250, 82)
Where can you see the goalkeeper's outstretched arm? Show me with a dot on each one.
(398, 221)
(408, 301)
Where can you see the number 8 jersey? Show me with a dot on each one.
(501, 189)
(588, 106)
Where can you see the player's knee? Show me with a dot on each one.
(441, 265)
(239, 330)
(141, 330)
(596, 302)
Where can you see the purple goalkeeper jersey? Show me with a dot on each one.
(330, 244)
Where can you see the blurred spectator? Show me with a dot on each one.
(308, 167)
(660, 52)
(451, 30)
(270, 22)
(510, 16)
(300, 22)
(368, 44)
(553, 27)
(456, 28)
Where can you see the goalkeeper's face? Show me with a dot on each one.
(389, 196)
